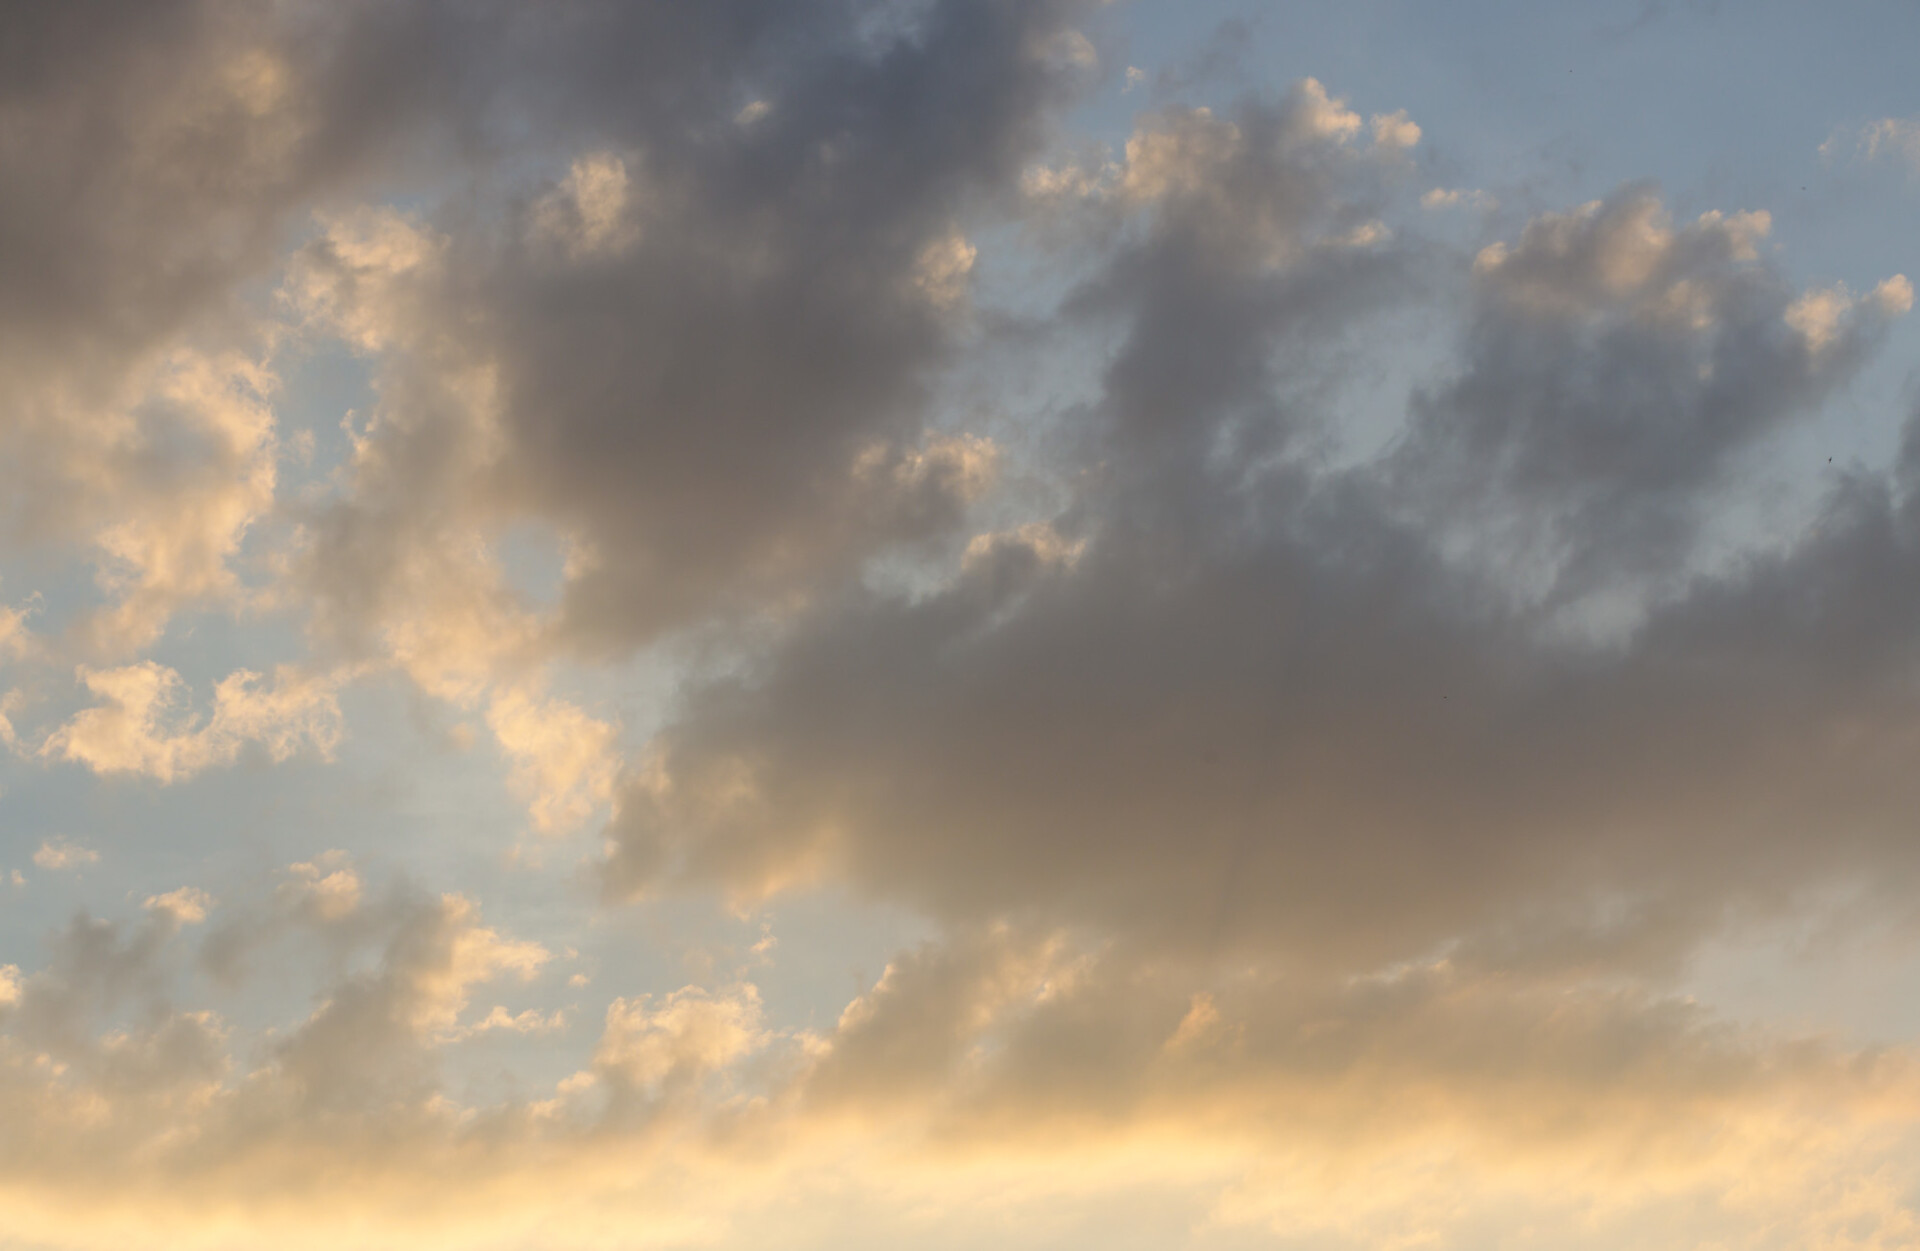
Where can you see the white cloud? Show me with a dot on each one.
(672, 1044)
(564, 760)
(1818, 316)
(529, 1022)
(358, 280)
(16, 640)
(173, 542)
(1394, 132)
(1325, 117)
(328, 885)
(59, 855)
(188, 905)
(142, 726)
(941, 270)
(1181, 152)
(592, 212)
(467, 954)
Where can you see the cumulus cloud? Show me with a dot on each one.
(1352, 717)
(139, 726)
(166, 1081)
(590, 214)
(60, 854)
(562, 369)
(327, 886)
(177, 547)
(564, 760)
(1394, 132)
(654, 1050)
(367, 1048)
(188, 905)
(815, 291)
(159, 151)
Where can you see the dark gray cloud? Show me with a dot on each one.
(1267, 708)
(159, 159)
(157, 151)
(709, 336)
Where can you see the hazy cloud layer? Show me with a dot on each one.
(1610, 1109)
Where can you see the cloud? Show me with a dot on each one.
(367, 1049)
(940, 271)
(177, 547)
(1617, 370)
(58, 855)
(1354, 716)
(1892, 138)
(816, 292)
(163, 1080)
(656, 1051)
(327, 885)
(1454, 197)
(590, 214)
(1310, 838)
(159, 151)
(138, 727)
(1323, 116)
(560, 365)
(1319, 1109)
(188, 905)
(565, 761)
(1393, 132)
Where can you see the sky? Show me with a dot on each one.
(958, 623)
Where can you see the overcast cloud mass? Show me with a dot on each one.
(958, 623)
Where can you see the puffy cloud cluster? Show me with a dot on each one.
(1617, 370)
(101, 1065)
(692, 350)
(158, 151)
(1357, 715)
(138, 727)
(57, 854)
